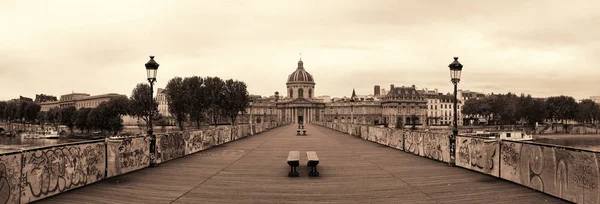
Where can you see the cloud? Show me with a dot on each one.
(538, 47)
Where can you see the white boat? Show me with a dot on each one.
(503, 135)
(47, 134)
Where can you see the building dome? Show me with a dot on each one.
(300, 75)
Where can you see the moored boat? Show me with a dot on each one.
(502, 135)
(46, 134)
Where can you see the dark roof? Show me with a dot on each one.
(403, 93)
(300, 75)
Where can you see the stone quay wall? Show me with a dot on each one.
(564, 172)
(30, 175)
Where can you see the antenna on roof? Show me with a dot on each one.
(300, 56)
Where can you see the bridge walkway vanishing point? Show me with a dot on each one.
(254, 170)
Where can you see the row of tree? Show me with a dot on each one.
(19, 111)
(509, 109)
(198, 99)
(194, 98)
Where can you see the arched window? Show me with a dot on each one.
(291, 93)
(310, 93)
(300, 93)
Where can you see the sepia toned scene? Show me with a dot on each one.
(391, 101)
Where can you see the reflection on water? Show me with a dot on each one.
(590, 142)
(10, 144)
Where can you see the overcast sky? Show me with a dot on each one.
(543, 47)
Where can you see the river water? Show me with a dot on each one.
(587, 141)
(10, 144)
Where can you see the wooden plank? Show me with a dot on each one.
(312, 156)
(250, 170)
(293, 156)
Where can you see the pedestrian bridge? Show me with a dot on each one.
(254, 170)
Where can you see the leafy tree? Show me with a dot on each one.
(3, 105)
(215, 87)
(538, 112)
(235, 99)
(94, 119)
(11, 111)
(120, 105)
(195, 90)
(66, 116)
(111, 113)
(562, 107)
(21, 105)
(104, 117)
(586, 111)
(41, 117)
(138, 104)
(52, 116)
(32, 111)
(597, 118)
(177, 99)
(80, 119)
(472, 107)
(508, 112)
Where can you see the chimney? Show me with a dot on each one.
(391, 87)
(377, 90)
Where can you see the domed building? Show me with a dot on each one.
(299, 104)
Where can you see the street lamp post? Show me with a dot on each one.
(151, 69)
(455, 71)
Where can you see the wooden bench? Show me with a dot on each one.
(294, 161)
(313, 161)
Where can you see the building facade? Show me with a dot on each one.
(78, 100)
(404, 106)
(400, 107)
(300, 105)
(163, 104)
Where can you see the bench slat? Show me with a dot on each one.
(294, 156)
(312, 156)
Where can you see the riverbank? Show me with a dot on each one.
(583, 141)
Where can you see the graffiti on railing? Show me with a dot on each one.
(10, 173)
(171, 146)
(58, 169)
(412, 142)
(436, 147)
(478, 154)
(568, 174)
(396, 139)
(127, 155)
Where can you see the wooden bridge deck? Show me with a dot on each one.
(254, 170)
